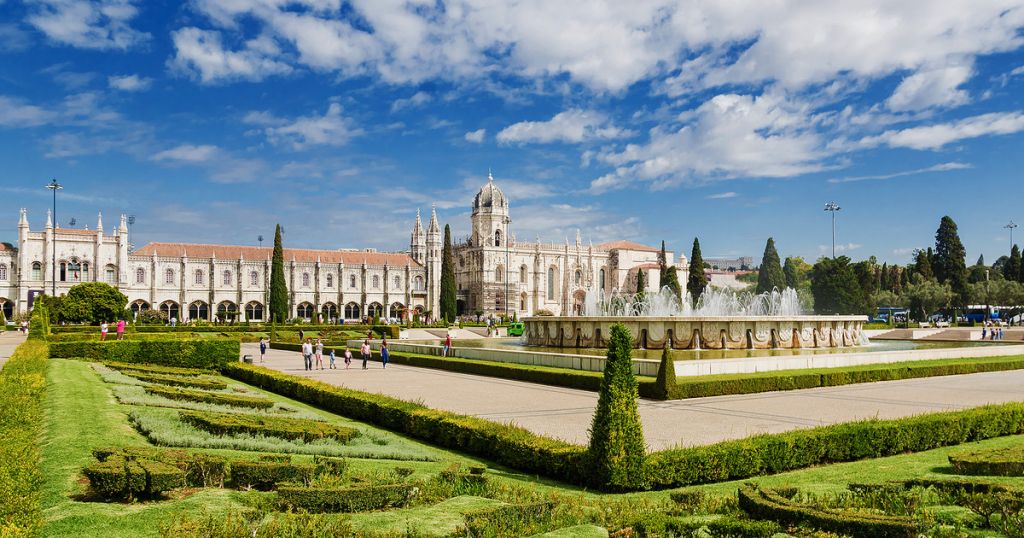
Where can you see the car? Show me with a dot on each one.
(516, 328)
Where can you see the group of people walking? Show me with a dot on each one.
(990, 330)
(313, 354)
(119, 327)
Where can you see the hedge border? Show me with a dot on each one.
(178, 381)
(216, 398)
(347, 499)
(765, 504)
(281, 427)
(22, 382)
(1006, 461)
(200, 354)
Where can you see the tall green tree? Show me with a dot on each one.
(836, 288)
(669, 277)
(1012, 269)
(770, 276)
(641, 283)
(949, 261)
(924, 297)
(277, 305)
(698, 280)
(796, 271)
(617, 451)
(923, 264)
(448, 306)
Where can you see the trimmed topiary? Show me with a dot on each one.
(264, 475)
(216, 398)
(350, 499)
(666, 382)
(178, 381)
(281, 427)
(617, 449)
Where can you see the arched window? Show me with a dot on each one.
(254, 311)
(37, 271)
(140, 276)
(352, 311)
(305, 280)
(376, 282)
(305, 311)
(551, 283)
(74, 271)
(522, 301)
(254, 280)
(419, 283)
(398, 282)
(497, 238)
(351, 281)
(330, 280)
(227, 278)
(85, 272)
(3, 272)
(579, 277)
(169, 276)
(111, 274)
(499, 273)
(600, 281)
(199, 276)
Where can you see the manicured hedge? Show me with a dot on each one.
(765, 504)
(347, 500)
(502, 443)
(217, 398)
(128, 367)
(126, 478)
(285, 428)
(203, 354)
(330, 465)
(508, 520)
(237, 328)
(178, 381)
(264, 475)
(1007, 461)
(200, 469)
(775, 453)
(22, 382)
(658, 524)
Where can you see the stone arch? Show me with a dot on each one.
(375, 309)
(7, 306)
(304, 310)
(579, 297)
(138, 305)
(328, 312)
(199, 310)
(254, 311)
(396, 310)
(352, 310)
(171, 310)
(227, 311)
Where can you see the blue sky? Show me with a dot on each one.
(647, 120)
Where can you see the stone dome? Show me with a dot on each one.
(490, 196)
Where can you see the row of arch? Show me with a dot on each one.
(227, 278)
(254, 310)
(552, 281)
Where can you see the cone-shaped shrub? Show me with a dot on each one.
(616, 437)
(666, 381)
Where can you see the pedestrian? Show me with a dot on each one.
(320, 353)
(103, 331)
(302, 334)
(348, 358)
(263, 348)
(365, 350)
(1000, 332)
(984, 330)
(384, 353)
(24, 326)
(120, 329)
(332, 361)
(447, 344)
(307, 354)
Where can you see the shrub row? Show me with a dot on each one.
(658, 524)
(508, 520)
(330, 465)
(765, 504)
(241, 327)
(282, 427)
(203, 354)
(264, 475)
(774, 453)
(946, 485)
(216, 398)
(349, 499)
(22, 382)
(178, 381)
(502, 443)
(118, 477)
(200, 469)
(1007, 461)
(154, 369)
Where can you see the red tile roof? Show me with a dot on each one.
(626, 245)
(230, 252)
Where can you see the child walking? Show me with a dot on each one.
(332, 361)
(348, 358)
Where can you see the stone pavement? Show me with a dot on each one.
(8, 341)
(566, 413)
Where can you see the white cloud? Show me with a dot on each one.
(841, 248)
(933, 87)
(476, 136)
(331, 129)
(129, 83)
(200, 53)
(726, 137)
(16, 113)
(943, 167)
(938, 135)
(188, 154)
(417, 100)
(88, 24)
(722, 195)
(571, 126)
(1017, 71)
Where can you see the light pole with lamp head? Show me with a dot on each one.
(508, 220)
(54, 186)
(131, 220)
(1010, 227)
(833, 207)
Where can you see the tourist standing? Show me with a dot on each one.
(320, 353)
(302, 335)
(332, 361)
(103, 331)
(384, 353)
(307, 354)
(365, 350)
(174, 321)
(120, 329)
(263, 348)
(447, 344)
(348, 357)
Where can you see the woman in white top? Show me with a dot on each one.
(320, 353)
(103, 331)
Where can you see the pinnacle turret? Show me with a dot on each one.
(433, 227)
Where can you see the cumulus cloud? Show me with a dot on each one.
(15, 112)
(331, 129)
(188, 154)
(572, 126)
(933, 87)
(129, 83)
(722, 195)
(938, 135)
(417, 100)
(88, 24)
(200, 53)
(476, 136)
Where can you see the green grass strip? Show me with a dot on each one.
(22, 382)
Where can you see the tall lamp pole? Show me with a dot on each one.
(1010, 227)
(833, 207)
(131, 221)
(54, 186)
(507, 222)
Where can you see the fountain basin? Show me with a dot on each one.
(699, 332)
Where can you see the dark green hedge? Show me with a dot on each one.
(264, 475)
(178, 381)
(200, 469)
(203, 354)
(330, 465)
(658, 524)
(122, 478)
(282, 427)
(350, 499)
(234, 400)
(502, 443)
(765, 504)
(22, 382)
(1007, 461)
(153, 369)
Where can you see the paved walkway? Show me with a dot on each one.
(566, 413)
(8, 341)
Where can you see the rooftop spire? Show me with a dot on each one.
(49, 219)
(433, 220)
(99, 222)
(490, 178)
(23, 219)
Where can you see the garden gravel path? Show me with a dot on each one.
(8, 341)
(566, 413)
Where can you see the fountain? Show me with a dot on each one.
(721, 319)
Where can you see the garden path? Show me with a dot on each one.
(8, 341)
(566, 413)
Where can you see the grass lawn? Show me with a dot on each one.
(439, 519)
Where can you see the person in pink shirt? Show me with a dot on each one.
(120, 329)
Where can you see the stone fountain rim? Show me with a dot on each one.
(684, 319)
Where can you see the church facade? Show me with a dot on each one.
(495, 273)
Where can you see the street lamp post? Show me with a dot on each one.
(507, 222)
(1010, 227)
(260, 239)
(833, 207)
(131, 220)
(54, 186)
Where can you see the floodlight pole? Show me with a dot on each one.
(1010, 227)
(833, 207)
(54, 186)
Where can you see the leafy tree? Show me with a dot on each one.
(93, 302)
(835, 287)
(867, 278)
(666, 381)
(448, 306)
(949, 260)
(978, 273)
(796, 271)
(277, 305)
(669, 276)
(1012, 269)
(698, 280)
(926, 296)
(617, 451)
(770, 276)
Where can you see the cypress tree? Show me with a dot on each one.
(662, 264)
(641, 284)
(698, 280)
(617, 451)
(448, 305)
(666, 381)
(923, 264)
(669, 276)
(1012, 269)
(949, 260)
(278, 303)
(770, 276)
